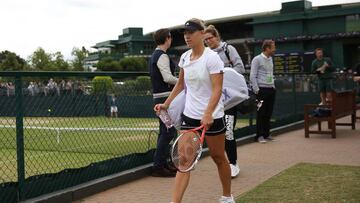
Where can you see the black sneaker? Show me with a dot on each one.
(162, 172)
(170, 166)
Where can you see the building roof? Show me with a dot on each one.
(312, 13)
(133, 38)
(105, 44)
(125, 38)
(229, 19)
(263, 17)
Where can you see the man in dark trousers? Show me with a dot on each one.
(262, 82)
(163, 80)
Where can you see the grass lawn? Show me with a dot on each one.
(306, 182)
(53, 144)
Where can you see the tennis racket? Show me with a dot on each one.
(187, 148)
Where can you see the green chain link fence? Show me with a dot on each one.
(56, 130)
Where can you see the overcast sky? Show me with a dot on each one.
(59, 25)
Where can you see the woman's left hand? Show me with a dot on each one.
(207, 120)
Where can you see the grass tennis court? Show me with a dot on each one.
(53, 144)
(309, 183)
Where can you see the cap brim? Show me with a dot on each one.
(189, 28)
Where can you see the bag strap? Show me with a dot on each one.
(227, 54)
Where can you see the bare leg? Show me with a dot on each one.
(328, 97)
(323, 97)
(181, 183)
(216, 146)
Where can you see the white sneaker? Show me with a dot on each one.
(261, 140)
(235, 170)
(270, 138)
(224, 199)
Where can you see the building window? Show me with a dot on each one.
(122, 48)
(148, 48)
(353, 23)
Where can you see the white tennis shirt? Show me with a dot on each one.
(198, 83)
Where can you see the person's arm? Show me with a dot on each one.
(236, 60)
(254, 74)
(164, 67)
(313, 67)
(216, 86)
(356, 78)
(330, 65)
(179, 86)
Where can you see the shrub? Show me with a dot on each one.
(102, 84)
(133, 64)
(143, 83)
(108, 64)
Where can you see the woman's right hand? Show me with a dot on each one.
(158, 107)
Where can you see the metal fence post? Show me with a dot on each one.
(294, 92)
(251, 116)
(20, 136)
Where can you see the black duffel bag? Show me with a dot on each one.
(249, 105)
(322, 112)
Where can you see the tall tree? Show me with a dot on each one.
(40, 60)
(59, 62)
(9, 61)
(79, 58)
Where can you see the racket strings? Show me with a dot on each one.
(185, 150)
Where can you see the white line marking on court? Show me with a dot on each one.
(76, 148)
(79, 129)
(63, 151)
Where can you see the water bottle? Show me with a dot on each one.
(165, 118)
(259, 104)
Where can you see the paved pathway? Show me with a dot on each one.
(258, 162)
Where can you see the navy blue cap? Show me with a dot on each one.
(192, 26)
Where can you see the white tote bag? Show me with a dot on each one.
(234, 92)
